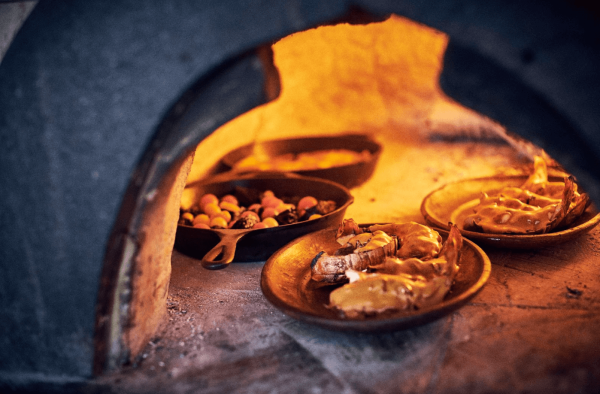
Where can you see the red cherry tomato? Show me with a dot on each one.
(269, 213)
(208, 198)
(270, 202)
(230, 198)
(306, 203)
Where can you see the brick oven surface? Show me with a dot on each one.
(524, 332)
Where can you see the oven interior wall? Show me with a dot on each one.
(376, 79)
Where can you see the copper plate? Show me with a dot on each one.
(454, 201)
(348, 175)
(286, 283)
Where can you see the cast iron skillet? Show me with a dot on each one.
(351, 175)
(218, 248)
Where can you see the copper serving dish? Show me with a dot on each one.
(348, 175)
(452, 203)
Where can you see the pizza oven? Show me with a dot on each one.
(110, 108)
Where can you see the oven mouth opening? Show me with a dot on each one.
(382, 78)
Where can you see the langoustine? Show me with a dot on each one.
(400, 284)
(537, 207)
(370, 246)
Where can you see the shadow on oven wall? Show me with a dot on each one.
(91, 121)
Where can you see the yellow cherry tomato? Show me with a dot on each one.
(284, 207)
(188, 216)
(228, 206)
(270, 222)
(202, 218)
(314, 216)
(211, 209)
(224, 214)
(218, 222)
(202, 225)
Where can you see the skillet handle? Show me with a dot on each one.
(226, 246)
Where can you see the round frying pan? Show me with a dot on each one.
(217, 248)
(350, 175)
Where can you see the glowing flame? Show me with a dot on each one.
(376, 78)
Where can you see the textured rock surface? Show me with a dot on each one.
(524, 332)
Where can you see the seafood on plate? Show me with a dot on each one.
(392, 267)
(365, 247)
(538, 206)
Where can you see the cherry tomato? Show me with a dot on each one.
(285, 207)
(230, 199)
(208, 198)
(211, 209)
(202, 218)
(306, 203)
(314, 216)
(202, 225)
(259, 225)
(224, 214)
(218, 222)
(269, 213)
(270, 202)
(228, 206)
(270, 222)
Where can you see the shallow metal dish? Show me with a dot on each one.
(454, 201)
(286, 283)
(347, 175)
(218, 248)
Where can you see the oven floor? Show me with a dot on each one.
(533, 327)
